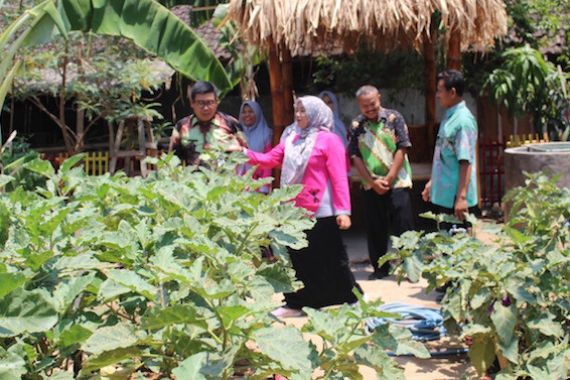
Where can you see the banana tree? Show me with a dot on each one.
(147, 23)
(527, 83)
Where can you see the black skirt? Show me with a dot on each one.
(323, 268)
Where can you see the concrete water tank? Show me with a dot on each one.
(551, 158)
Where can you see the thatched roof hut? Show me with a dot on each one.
(310, 27)
(306, 26)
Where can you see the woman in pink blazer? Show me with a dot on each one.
(313, 156)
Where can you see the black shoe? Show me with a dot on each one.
(443, 288)
(377, 275)
(439, 297)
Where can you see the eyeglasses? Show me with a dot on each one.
(205, 103)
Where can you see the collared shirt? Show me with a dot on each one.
(376, 144)
(190, 137)
(456, 141)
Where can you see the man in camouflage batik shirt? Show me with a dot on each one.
(379, 142)
(195, 133)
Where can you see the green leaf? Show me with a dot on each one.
(26, 311)
(287, 239)
(12, 366)
(66, 292)
(109, 289)
(504, 318)
(480, 298)
(74, 335)
(516, 235)
(108, 358)
(482, 353)
(173, 315)
(402, 338)
(538, 373)
(278, 277)
(452, 305)
(10, 282)
(510, 350)
(41, 167)
(413, 267)
(109, 338)
(547, 326)
(414, 348)
(4, 88)
(518, 290)
(231, 313)
(542, 350)
(69, 163)
(80, 263)
(132, 281)
(474, 329)
(35, 261)
(5, 179)
(324, 324)
(191, 366)
(286, 346)
(376, 358)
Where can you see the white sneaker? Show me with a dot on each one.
(287, 312)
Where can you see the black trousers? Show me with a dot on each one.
(386, 215)
(323, 268)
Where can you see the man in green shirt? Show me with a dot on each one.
(453, 185)
(206, 126)
(379, 142)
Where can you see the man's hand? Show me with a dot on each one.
(343, 222)
(460, 208)
(426, 193)
(381, 186)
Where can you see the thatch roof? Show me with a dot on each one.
(308, 25)
(207, 31)
(46, 81)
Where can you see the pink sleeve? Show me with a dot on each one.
(267, 160)
(267, 147)
(265, 172)
(337, 169)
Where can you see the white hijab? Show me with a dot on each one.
(299, 142)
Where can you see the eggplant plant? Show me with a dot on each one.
(163, 277)
(512, 298)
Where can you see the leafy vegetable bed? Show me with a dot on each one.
(163, 277)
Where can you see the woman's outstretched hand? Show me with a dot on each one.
(343, 222)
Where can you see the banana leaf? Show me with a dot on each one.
(153, 28)
(147, 23)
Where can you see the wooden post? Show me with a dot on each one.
(454, 50)
(430, 83)
(116, 146)
(142, 146)
(287, 76)
(277, 94)
(281, 82)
